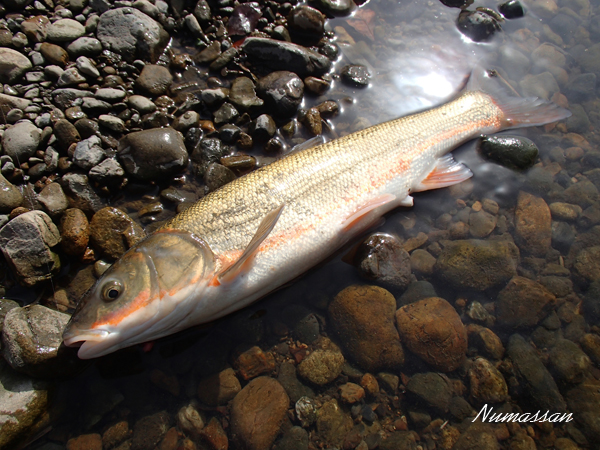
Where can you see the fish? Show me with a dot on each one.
(264, 229)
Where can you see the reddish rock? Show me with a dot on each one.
(487, 383)
(149, 431)
(257, 413)
(85, 442)
(170, 441)
(432, 329)
(351, 393)
(370, 384)
(74, 232)
(523, 303)
(533, 224)
(112, 232)
(214, 435)
(254, 362)
(116, 434)
(486, 341)
(363, 319)
(219, 388)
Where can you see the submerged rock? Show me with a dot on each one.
(477, 25)
(487, 383)
(257, 413)
(26, 243)
(149, 431)
(533, 224)
(568, 361)
(363, 319)
(321, 366)
(514, 152)
(432, 329)
(523, 303)
(219, 388)
(584, 401)
(431, 390)
(333, 423)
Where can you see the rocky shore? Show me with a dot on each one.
(114, 116)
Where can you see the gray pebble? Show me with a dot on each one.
(70, 77)
(65, 30)
(88, 153)
(11, 196)
(21, 140)
(87, 67)
(84, 46)
(111, 95)
(53, 199)
(142, 104)
(112, 123)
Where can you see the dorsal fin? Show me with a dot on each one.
(264, 229)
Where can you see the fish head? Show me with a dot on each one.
(142, 296)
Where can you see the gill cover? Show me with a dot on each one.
(137, 298)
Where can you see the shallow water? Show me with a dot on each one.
(417, 59)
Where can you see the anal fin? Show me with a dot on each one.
(445, 173)
(243, 263)
(362, 213)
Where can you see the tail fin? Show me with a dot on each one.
(518, 111)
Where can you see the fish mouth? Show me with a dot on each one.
(91, 343)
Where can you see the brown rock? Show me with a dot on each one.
(254, 362)
(214, 435)
(74, 232)
(370, 384)
(112, 232)
(523, 303)
(150, 430)
(533, 224)
(486, 341)
(432, 329)
(587, 264)
(257, 413)
(35, 28)
(333, 424)
(363, 318)
(170, 441)
(591, 345)
(116, 434)
(54, 54)
(85, 442)
(219, 388)
(154, 79)
(66, 133)
(321, 366)
(487, 383)
(351, 393)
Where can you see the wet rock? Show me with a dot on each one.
(282, 91)
(487, 383)
(486, 341)
(66, 133)
(431, 390)
(587, 264)
(243, 95)
(112, 232)
(536, 383)
(10, 196)
(88, 153)
(333, 423)
(583, 193)
(482, 223)
(21, 140)
(563, 236)
(223, 59)
(306, 23)
(217, 175)
(65, 30)
(579, 122)
(417, 290)
(219, 388)
(24, 407)
(355, 75)
(294, 388)
(336, 8)
(226, 113)
(209, 54)
(584, 401)
(13, 65)
(32, 342)
(363, 319)
(279, 55)
(477, 25)
(590, 344)
(321, 366)
(568, 361)
(153, 154)
(512, 9)
(381, 258)
(421, 261)
(243, 19)
(53, 199)
(477, 264)
(80, 193)
(74, 232)
(149, 431)
(351, 393)
(432, 329)
(514, 152)
(257, 412)
(154, 80)
(131, 34)
(296, 438)
(214, 435)
(565, 211)
(523, 303)
(543, 85)
(26, 243)
(254, 362)
(112, 123)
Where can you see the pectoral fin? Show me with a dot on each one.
(362, 215)
(445, 173)
(243, 263)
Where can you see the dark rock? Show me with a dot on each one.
(512, 9)
(584, 401)
(591, 303)
(580, 87)
(477, 25)
(80, 193)
(282, 91)
(264, 128)
(587, 264)
(381, 258)
(568, 361)
(431, 390)
(219, 388)
(26, 243)
(66, 133)
(112, 232)
(477, 264)
(243, 19)
(87, 127)
(399, 440)
(226, 114)
(296, 438)
(523, 303)
(514, 152)
(254, 362)
(355, 75)
(363, 318)
(202, 12)
(257, 413)
(279, 55)
(209, 54)
(108, 173)
(153, 154)
(336, 8)
(563, 236)
(536, 383)
(74, 231)
(149, 431)
(481, 436)
(95, 107)
(317, 86)
(229, 133)
(432, 329)
(223, 59)
(417, 290)
(583, 193)
(333, 423)
(460, 408)
(579, 122)
(209, 150)
(131, 34)
(321, 367)
(294, 388)
(154, 80)
(11, 196)
(88, 153)
(54, 54)
(306, 23)
(217, 175)
(242, 94)
(32, 342)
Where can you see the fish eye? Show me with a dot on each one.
(112, 291)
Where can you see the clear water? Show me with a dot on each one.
(418, 59)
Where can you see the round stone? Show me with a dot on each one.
(65, 30)
(13, 65)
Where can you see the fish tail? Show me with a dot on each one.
(517, 111)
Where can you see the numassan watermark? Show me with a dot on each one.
(488, 416)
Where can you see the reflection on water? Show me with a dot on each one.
(417, 59)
